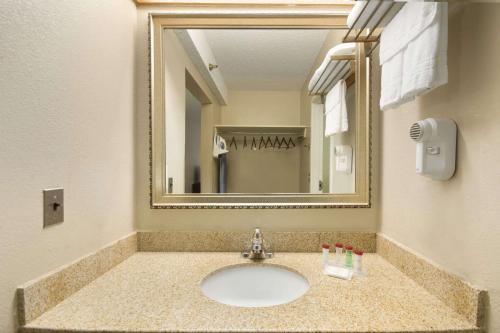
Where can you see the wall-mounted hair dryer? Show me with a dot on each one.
(436, 147)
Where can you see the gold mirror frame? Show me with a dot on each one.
(298, 20)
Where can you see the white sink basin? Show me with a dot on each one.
(254, 285)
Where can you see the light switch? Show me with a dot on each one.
(53, 206)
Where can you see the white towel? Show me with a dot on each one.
(336, 110)
(354, 13)
(219, 146)
(392, 83)
(337, 50)
(413, 52)
(376, 7)
(426, 57)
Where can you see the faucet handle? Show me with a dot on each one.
(257, 240)
(259, 248)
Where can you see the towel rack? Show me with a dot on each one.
(339, 67)
(367, 32)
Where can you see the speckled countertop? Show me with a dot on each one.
(160, 292)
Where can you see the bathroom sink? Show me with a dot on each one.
(254, 285)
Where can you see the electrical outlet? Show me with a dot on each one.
(53, 206)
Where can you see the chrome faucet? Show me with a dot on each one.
(257, 250)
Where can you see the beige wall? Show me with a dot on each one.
(262, 171)
(175, 109)
(280, 108)
(176, 63)
(220, 219)
(454, 223)
(210, 115)
(193, 142)
(67, 109)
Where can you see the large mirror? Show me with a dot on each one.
(273, 113)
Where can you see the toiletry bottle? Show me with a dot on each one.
(348, 256)
(358, 266)
(326, 252)
(338, 253)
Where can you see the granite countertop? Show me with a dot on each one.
(160, 292)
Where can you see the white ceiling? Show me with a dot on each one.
(265, 59)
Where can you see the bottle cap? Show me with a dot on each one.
(358, 252)
(339, 245)
(349, 247)
(325, 246)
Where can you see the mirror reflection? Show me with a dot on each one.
(259, 111)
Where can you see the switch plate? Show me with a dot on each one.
(53, 206)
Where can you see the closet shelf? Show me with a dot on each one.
(372, 18)
(339, 67)
(299, 131)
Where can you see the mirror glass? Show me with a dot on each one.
(240, 116)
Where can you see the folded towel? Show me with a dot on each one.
(413, 52)
(355, 11)
(408, 24)
(359, 10)
(392, 83)
(425, 58)
(336, 110)
(219, 146)
(337, 50)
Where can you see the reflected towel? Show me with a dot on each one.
(337, 50)
(354, 13)
(219, 146)
(336, 110)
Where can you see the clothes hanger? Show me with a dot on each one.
(283, 143)
(233, 141)
(276, 142)
(290, 141)
(254, 144)
(261, 142)
(245, 142)
(269, 141)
